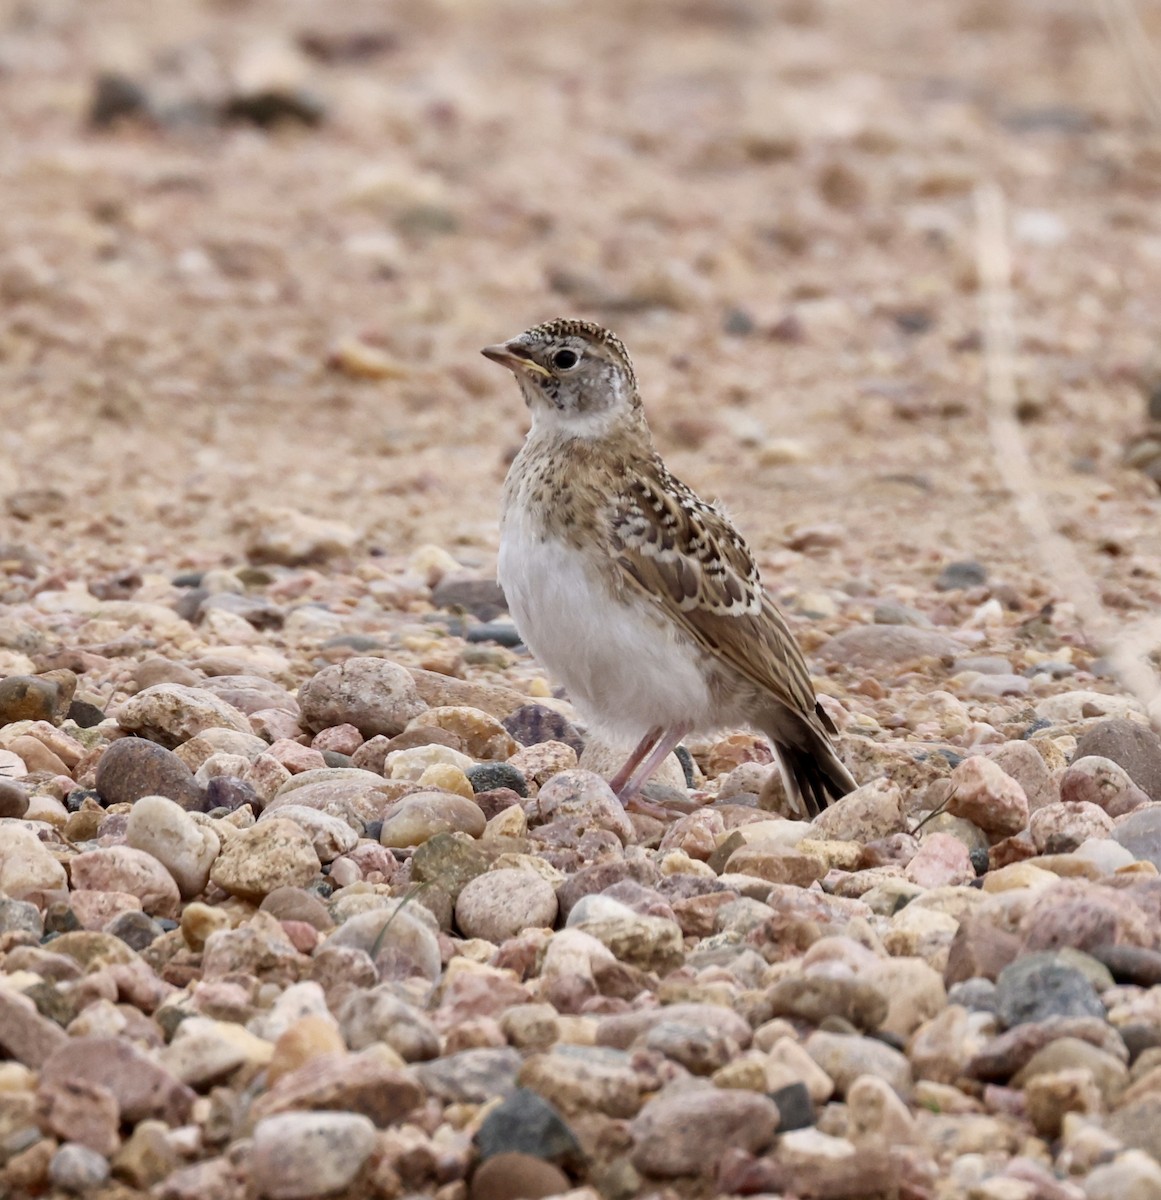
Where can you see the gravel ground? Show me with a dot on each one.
(310, 885)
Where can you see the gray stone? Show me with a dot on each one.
(1130, 744)
(471, 1076)
(1140, 834)
(1042, 985)
(77, 1169)
(528, 1124)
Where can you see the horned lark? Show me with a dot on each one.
(639, 597)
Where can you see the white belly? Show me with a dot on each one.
(622, 668)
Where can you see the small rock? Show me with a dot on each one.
(1132, 745)
(471, 1076)
(170, 713)
(287, 536)
(877, 1116)
(887, 645)
(688, 1131)
(983, 794)
(26, 866)
(1100, 781)
(378, 1015)
(141, 1087)
(500, 904)
(1041, 986)
(301, 1155)
(78, 1169)
(513, 1176)
(527, 1124)
(813, 998)
(1061, 828)
(125, 869)
(942, 861)
(187, 850)
(27, 698)
(845, 1057)
(1133, 1175)
(1140, 834)
(13, 799)
(488, 776)
(583, 794)
(269, 855)
(531, 724)
(133, 767)
(872, 811)
(483, 737)
(372, 694)
(400, 940)
(958, 575)
(421, 816)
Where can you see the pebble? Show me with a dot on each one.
(171, 713)
(301, 1155)
(844, 1058)
(872, 811)
(371, 694)
(26, 866)
(125, 869)
(1131, 745)
(1061, 828)
(958, 575)
(419, 817)
(400, 940)
(1100, 781)
(511, 1175)
(487, 777)
(292, 538)
(1140, 834)
(531, 724)
(577, 793)
(870, 646)
(133, 767)
(1132, 1175)
(27, 698)
(482, 736)
(1040, 986)
(983, 794)
(78, 1169)
(816, 997)
(272, 854)
(330, 836)
(163, 829)
(687, 1131)
(500, 904)
(13, 799)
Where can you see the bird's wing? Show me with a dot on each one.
(684, 556)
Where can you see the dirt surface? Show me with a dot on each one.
(801, 171)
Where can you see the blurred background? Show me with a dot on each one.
(249, 250)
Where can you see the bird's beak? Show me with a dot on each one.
(513, 356)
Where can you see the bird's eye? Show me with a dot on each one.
(565, 360)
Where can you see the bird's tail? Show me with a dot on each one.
(812, 771)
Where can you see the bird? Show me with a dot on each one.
(638, 596)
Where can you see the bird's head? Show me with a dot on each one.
(576, 378)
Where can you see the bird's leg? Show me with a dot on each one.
(660, 752)
(643, 747)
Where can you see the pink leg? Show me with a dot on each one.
(633, 761)
(660, 752)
